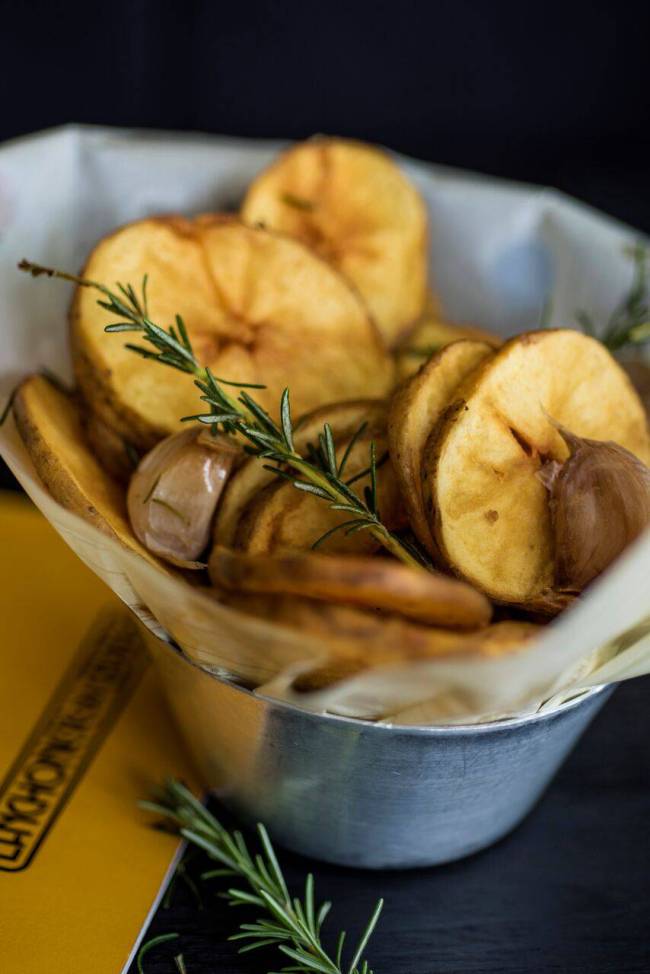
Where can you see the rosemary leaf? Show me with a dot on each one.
(334, 530)
(290, 924)
(162, 938)
(329, 450)
(285, 414)
(629, 322)
(350, 447)
(311, 489)
(112, 329)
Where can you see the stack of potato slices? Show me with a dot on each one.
(320, 285)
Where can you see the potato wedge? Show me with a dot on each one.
(50, 426)
(258, 307)
(372, 582)
(485, 500)
(415, 410)
(431, 333)
(344, 419)
(280, 517)
(353, 206)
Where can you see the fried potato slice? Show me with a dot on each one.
(431, 333)
(496, 640)
(487, 504)
(373, 582)
(259, 308)
(281, 517)
(415, 409)
(49, 424)
(116, 455)
(344, 418)
(359, 639)
(352, 204)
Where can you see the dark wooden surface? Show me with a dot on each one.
(567, 893)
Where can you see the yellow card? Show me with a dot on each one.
(84, 733)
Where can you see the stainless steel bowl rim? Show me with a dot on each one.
(415, 730)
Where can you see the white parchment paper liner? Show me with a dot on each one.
(500, 253)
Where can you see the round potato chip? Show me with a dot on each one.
(258, 307)
(352, 204)
(485, 499)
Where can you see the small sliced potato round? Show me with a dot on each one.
(344, 418)
(358, 639)
(430, 334)
(258, 307)
(281, 517)
(50, 426)
(352, 204)
(485, 500)
(373, 582)
(415, 410)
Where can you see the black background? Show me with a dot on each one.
(556, 93)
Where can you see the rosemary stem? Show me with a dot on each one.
(391, 543)
(291, 924)
(396, 548)
(241, 416)
(378, 531)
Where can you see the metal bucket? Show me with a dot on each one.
(362, 794)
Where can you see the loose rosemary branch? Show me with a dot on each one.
(629, 323)
(293, 925)
(320, 474)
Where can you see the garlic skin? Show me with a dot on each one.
(174, 492)
(600, 502)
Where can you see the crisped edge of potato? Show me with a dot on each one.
(363, 581)
(415, 395)
(38, 408)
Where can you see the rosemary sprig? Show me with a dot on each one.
(629, 323)
(163, 938)
(291, 924)
(320, 474)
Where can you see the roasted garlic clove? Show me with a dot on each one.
(600, 502)
(174, 492)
